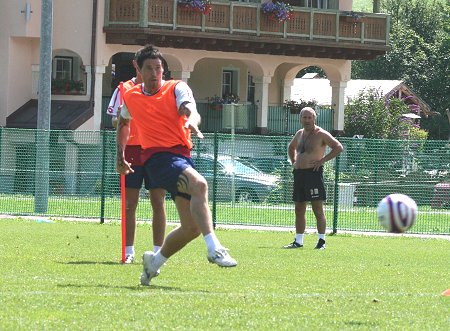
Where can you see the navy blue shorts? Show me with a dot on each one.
(164, 168)
(139, 176)
(308, 185)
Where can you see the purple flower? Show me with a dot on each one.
(278, 11)
(199, 6)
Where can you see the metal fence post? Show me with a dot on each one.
(336, 194)
(102, 184)
(214, 204)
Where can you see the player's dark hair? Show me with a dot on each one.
(147, 52)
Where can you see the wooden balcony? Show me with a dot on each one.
(244, 28)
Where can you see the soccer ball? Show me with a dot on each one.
(397, 213)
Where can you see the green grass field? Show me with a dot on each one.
(66, 276)
(430, 221)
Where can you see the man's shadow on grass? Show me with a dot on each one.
(137, 287)
(133, 288)
(92, 262)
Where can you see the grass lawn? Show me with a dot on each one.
(431, 221)
(66, 276)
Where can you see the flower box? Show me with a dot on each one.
(352, 17)
(67, 86)
(278, 11)
(196, 6)
(295, 107)
(216, 102)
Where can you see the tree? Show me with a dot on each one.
(419, 55)
(374, 117)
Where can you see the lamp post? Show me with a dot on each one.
(44, 110)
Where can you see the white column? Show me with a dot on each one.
(34, 80)
(70, 178)
(181, 75)
(98, 91)
(87, 70)
(337, 100)
(287, 88)
(262, 101)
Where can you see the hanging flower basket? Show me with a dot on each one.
(216, 106)
(295, 107)
(67, 86)
(197, 6)
(278, 11)
(352, 17)
(216, 102)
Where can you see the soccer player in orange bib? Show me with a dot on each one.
(165, 114)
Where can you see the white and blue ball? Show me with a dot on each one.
(397, 213)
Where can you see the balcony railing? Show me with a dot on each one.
(247, 19)
(219, 119)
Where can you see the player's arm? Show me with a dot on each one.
(292, 148)
(335, 146)
(194, 118)
(113, 107)
(187, 106)
(122, 135)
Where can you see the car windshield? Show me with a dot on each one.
(239, 167)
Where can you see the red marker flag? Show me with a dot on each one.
(122, 193)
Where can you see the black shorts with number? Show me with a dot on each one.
(308, 185)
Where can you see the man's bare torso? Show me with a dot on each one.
(310, 147)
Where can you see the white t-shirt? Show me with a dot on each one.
(114, 103)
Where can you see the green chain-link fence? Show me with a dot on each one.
(249, 176)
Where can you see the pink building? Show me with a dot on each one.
(235, 48)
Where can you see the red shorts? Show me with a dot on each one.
(133, 154)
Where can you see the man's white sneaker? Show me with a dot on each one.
(129, 259)
(221, 257)
(149, 271)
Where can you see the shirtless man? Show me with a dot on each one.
(306, 153)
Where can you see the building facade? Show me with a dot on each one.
(236, 48)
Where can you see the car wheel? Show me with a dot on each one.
(246, 196)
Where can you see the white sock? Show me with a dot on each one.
(212, 243)
(156, 248)
(322, 236)
(159, 260)
(129, 250)
(299, 238)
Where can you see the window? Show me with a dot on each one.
(250, 89)
(323, 4)
(230, 82)
(62, 67)
(227, 82)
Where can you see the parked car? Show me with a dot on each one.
(235, 178)
(271, 165)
